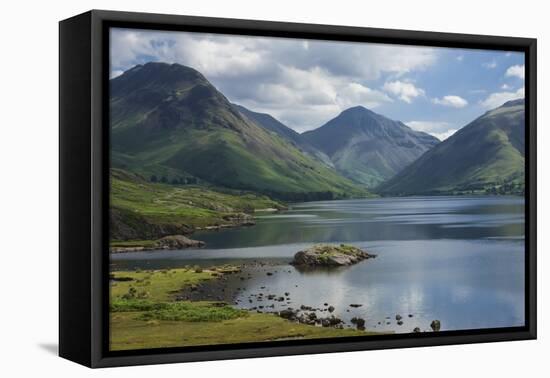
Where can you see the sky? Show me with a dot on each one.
(306, 83)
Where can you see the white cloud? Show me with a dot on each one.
(440, 130)
(308, 98)
(516, 71)
(451, 101)
(216, 53)
(495, 100)
(302, 83)
(213, 57)
(505, 87)
(490, 65)
(405, 91)
(358, 60)
(460, 58)
(354, 93)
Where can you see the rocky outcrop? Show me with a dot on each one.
(359, 323)
(330, 255)
(310, 318)
(233, 220)
(127, 225)
(167, 242)
(240, 219)
(178, 242)
(435, 325)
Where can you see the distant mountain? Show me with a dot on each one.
(368, 147)
(272, 124)
(169, 122)
(487, 155)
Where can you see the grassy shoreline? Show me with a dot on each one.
(143, 212)
(145, 313)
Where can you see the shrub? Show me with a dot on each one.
(177, 311)
(131, 294)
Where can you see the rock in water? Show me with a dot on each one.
(435, 325)
(359, 322)
(330, 255)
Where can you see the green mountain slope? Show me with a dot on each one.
(485, 156)
(272, 124)
(367, 147)
(169, 121)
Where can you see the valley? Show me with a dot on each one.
(211, 204)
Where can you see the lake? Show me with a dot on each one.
(460, 260)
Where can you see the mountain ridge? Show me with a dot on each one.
(485, 156)
(168, 119)
(274, 125)
(368, 147)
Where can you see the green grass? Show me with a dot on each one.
(144, 314)
(128, 331)
(140, 202)
(484, 157)
(185, 127)
(328, 250)
(189, 202)
(159, 285)
(262, 162)
(177, 311)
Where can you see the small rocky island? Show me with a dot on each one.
(330, 255)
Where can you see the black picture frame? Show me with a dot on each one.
(84, 187)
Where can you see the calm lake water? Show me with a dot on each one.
(456, 259)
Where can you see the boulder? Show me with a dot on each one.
(330, 255)
(435, 325)
(288, 314)
(359, 322)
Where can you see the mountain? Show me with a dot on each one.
(272, 124)
(169, 122)
(487, 156)
(368, 147)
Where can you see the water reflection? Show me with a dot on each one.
(460, 260)
(381, 219)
